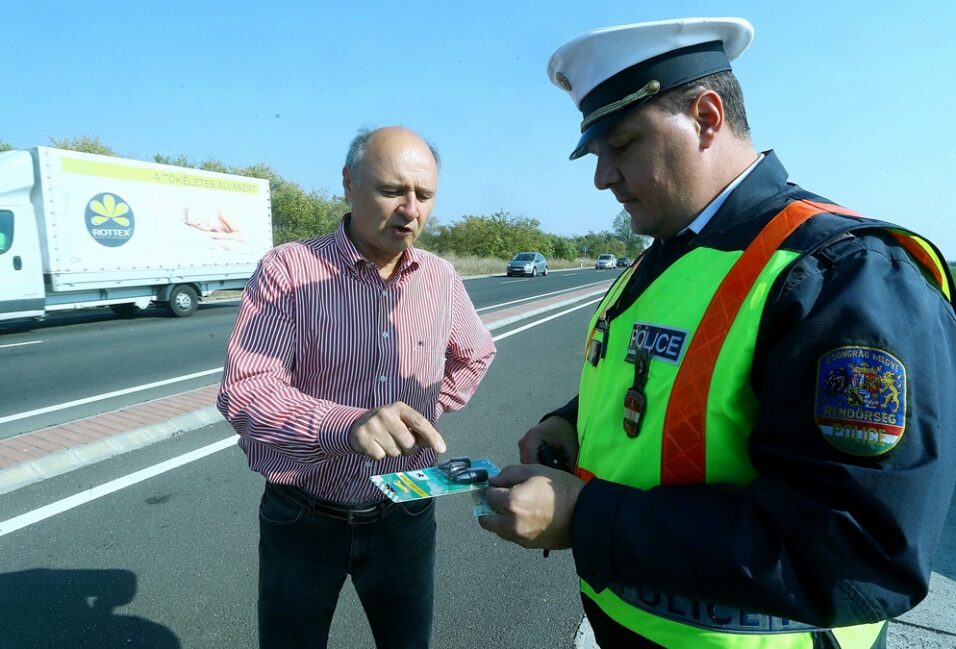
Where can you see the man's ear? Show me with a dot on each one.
(708, 112)
(347, 183)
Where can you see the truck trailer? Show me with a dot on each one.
(79, 230)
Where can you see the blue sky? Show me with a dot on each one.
(856, 98)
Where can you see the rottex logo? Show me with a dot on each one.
(109, 220)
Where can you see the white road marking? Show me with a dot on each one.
(107, 395)
(543, 320)
(535, 297)
(66, 504)
(29, 342)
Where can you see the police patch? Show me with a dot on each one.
(663, 343)
(861, 400)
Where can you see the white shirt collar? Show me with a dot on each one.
(708, 212)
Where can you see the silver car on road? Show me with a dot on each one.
(528, 263)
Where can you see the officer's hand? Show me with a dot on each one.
(554, 430)
(535, 506)
(393, 430)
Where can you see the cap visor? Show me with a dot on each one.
(598, 129)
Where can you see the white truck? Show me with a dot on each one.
(79, 230)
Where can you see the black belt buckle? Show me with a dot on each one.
(364, 516)
(351, 515)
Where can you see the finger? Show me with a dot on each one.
(513, 474)
(388, 445)
(373, 451)
(421, 428)
(528, 447)
(498, 498)
(495, 524)
(404, 439)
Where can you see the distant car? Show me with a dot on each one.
(623, 262)
(528, 263)
(605, 261)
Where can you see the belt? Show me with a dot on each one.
(353, 514)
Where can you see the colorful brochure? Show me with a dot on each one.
(427, 483)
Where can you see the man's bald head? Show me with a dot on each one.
(358, 149)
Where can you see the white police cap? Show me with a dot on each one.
(610, 69)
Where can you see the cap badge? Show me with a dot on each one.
(563, 81)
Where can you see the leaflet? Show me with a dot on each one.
(432, 482)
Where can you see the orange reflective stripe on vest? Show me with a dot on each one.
(921, 254)
(683, 451)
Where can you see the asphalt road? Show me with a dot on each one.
(76, 356)
(171, 561)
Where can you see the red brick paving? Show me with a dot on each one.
(45, 442)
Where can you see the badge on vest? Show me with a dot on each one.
(861, 400)
(663, 343)
(635, 399)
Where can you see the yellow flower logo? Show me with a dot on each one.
(109, 210)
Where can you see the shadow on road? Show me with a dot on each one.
(75, 608)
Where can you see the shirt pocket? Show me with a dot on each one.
(423, 358)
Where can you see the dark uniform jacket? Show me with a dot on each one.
(821, 535)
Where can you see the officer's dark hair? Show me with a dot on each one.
(725, 84)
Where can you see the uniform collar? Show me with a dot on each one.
(767, 179)
(708, 212)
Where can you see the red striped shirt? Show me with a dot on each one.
(321, 338)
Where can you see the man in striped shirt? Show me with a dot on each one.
(347, 349)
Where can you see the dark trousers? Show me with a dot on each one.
(305, 556)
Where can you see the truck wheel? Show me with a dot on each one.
(128, 310)
(183, 301)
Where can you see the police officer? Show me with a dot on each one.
(763, 442)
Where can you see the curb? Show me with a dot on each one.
(58, 463)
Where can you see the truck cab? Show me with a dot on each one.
(21, 273)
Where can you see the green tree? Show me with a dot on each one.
(215, 165)
(634, 244)
(179, 161)
(564, 247)
(6, 147)
(83, 144)
(621, 227)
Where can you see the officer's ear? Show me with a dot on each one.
(707, 111)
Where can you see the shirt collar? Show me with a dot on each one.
(350, 255)
(708, 212)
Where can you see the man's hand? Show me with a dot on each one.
(393, 430)
(535, 506)
(555, 431)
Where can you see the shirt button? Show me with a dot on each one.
(383, 378)
(384, 334)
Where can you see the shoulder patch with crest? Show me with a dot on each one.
(861, 400)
